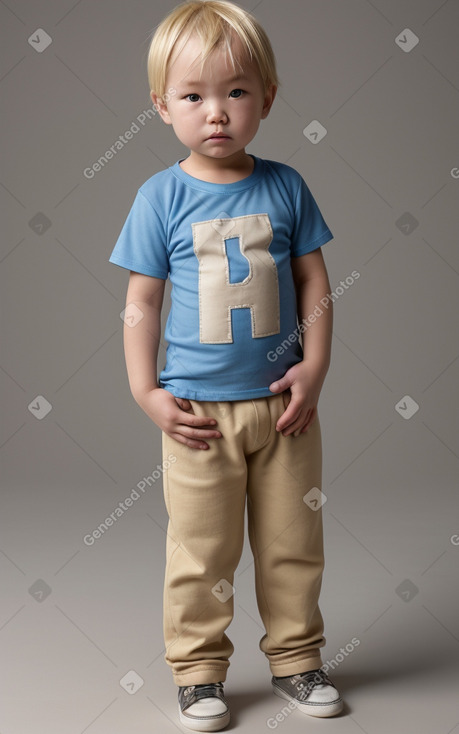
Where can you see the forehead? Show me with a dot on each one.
(185, 61)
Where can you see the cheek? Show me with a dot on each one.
(180, 118)
(187, 113)
(254, 116)
(253, 110)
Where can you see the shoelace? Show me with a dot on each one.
(203, 691)
(306, 682)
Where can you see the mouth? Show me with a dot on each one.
(219, 136)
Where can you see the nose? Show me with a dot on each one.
(215, 113)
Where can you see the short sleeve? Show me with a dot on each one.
(310, 230)
(141, 245)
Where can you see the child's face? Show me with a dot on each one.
(214, 103)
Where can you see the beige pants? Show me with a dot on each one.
(205, 493)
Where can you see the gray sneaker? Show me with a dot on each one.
(312, 693)
(203, 707)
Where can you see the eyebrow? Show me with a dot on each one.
(196, 82)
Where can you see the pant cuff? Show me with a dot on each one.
(294, 667)
(200, 676)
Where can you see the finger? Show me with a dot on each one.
(197, 433)
(192, 419)
(193, 444)
(189, 419)
(289, 416)
(292, 428)
(300, 430)
(307, 423)
(286, 397)
(183, 403)
(296, 425)
(310, 420)
(280, 385)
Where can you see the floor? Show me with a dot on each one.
(84, 654)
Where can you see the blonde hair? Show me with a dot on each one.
(214, 22)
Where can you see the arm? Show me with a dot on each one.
(141, 343)
(305, 379)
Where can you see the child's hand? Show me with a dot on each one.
(301, 386)
(172, 416)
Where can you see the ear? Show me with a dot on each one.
(161, 107)
(269, 99)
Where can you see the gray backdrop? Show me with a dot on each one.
(81, 638)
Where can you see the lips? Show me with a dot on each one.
(218, 136)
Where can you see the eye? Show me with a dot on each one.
(193, 94)
(238, 92)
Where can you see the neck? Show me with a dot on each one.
(215, 170)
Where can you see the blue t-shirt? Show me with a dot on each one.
(226, 249)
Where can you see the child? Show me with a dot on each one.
(240, 239)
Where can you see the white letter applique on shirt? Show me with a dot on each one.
(259, 291)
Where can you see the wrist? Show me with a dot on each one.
(140, 393)
(318, 367)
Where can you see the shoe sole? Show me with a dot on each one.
(319, 710)
(211, 723)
